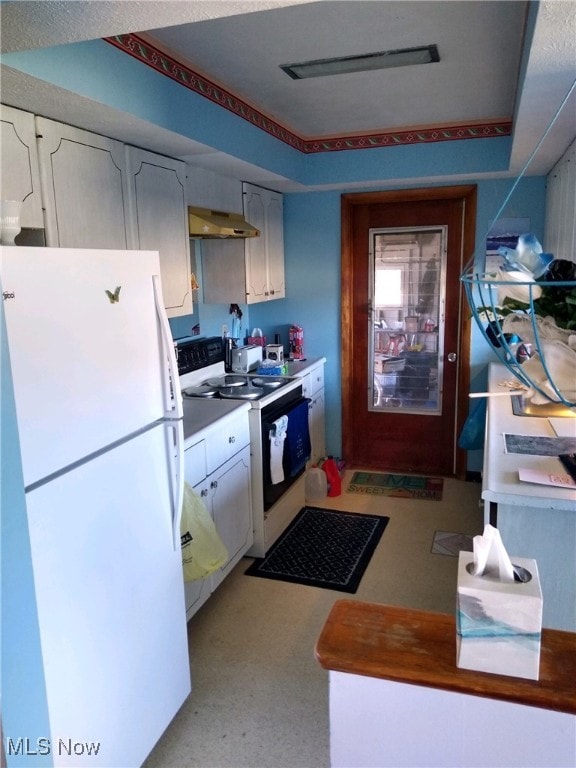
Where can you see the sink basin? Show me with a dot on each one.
(523, 407)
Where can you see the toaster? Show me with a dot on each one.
(246, 359)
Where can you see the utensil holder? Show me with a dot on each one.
(10, 211)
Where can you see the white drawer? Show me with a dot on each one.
(317, 379)
(195, 463)
(222, 443)
(307, 384)
(313, 381)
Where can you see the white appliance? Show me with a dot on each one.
(203, 379)
(100, 428)
(246, 359)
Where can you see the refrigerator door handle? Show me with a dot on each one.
(177, 456)
(172, 400)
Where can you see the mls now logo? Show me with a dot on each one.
(25, 746)
(69, 747)
(42, 746)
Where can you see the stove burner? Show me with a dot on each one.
(229, 380)
(241, 393)
(201, 391)
(268, 381)
(235, 391)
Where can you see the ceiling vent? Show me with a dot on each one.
(403, 57)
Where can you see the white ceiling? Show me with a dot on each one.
(478, 42)
(481, 76)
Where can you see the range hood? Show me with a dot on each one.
(205, 223)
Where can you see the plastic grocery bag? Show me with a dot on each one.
(203, 551)
(472, 435)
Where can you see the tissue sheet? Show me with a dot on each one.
(498, 623)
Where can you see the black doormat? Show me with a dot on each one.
(323, 548)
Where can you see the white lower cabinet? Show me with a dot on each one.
(313, 387)
(229, 500)
(223, 456)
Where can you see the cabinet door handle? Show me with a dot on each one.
(232, 439)
(214, 484)
(204, 492)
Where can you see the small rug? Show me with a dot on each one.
(323, 548)
(447, 543)
(399, 486)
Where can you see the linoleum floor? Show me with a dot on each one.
(259, 698)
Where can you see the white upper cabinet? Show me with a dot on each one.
(20, 177)
(84, 187)
(158, 221)
(236, 270)
(263, 208)
(99, 193)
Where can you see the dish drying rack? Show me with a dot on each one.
(484, 292)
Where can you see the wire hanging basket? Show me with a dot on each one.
(531, 326)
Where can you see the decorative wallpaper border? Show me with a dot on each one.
(146, 53)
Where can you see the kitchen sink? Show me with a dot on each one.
(523, 407)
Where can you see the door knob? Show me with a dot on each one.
(452, 357)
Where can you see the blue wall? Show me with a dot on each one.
(99, 72)
(312, 249)
(96, 70)
(24, 708)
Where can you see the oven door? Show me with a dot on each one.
(284, 461)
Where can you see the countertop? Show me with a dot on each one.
(301, 367)
(200, 413)
(419, 648)
(500, 481)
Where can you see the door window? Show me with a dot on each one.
(407, 278)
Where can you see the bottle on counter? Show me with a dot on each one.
(296, 342)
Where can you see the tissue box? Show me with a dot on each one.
(498, 624)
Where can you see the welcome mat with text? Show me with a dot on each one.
(398, 486)
(323, 548)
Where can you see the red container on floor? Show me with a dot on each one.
(333, 477)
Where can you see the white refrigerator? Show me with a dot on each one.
(100, 428)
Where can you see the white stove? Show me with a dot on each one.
(209, 391)
(203, 376)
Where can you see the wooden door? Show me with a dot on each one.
(386, 439)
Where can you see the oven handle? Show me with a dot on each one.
(269, 414)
